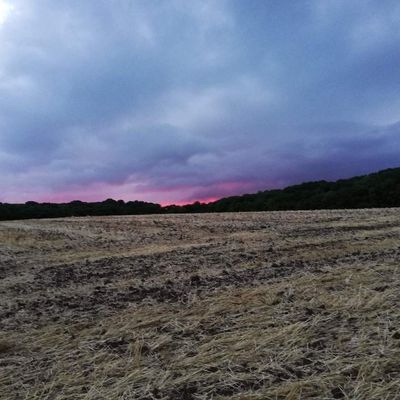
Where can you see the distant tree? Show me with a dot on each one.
(381, 189)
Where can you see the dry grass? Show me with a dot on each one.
(295, 305)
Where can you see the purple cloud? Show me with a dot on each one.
(176, 101)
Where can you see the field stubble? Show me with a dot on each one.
(280, 305)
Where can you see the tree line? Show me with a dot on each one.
(381, 189)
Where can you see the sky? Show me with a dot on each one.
(174, 101)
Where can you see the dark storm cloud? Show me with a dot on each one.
(175, 100)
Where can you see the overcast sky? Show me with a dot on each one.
(177, 100)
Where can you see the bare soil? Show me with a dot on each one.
(278, 305)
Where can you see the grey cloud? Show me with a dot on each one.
(185, 100)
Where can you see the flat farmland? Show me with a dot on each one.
(277, 305)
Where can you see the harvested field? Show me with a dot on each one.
(279, 305)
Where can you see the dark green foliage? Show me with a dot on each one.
(381, 189)
(76, 208)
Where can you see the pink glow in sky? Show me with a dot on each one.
(178, 195)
